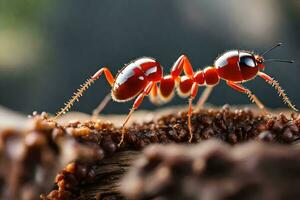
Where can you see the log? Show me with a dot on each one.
(80, 159)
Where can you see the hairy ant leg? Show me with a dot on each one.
(252, 97)
(109, 77)
(278, 88)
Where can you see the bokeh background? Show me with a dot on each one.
(48, 48)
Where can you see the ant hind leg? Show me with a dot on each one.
(194, 91)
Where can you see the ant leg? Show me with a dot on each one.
(109, 77)
(252, 97)
(194, 91)
(278, 88)
(101, 106)
(182, 63)
(135, 105)
(203, 98)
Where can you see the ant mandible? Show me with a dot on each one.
(141, 77)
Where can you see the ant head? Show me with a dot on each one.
(260, 59)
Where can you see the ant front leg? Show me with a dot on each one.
(108, 75)
(84, 87)
(252, 97)
(110, 79)
(279, 89)
(135, 106)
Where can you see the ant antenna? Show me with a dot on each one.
(273, 47)
(280, 60)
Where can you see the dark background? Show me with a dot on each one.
(48, 48)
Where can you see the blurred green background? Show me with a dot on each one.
(48, 48)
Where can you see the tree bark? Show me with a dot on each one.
(108, 174)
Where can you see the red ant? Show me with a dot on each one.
(140, 78)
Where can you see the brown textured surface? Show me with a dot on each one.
(213, 170)
(64, 162)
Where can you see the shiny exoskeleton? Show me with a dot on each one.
(144, 77)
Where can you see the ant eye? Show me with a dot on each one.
(247, 61)
(248, 65)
